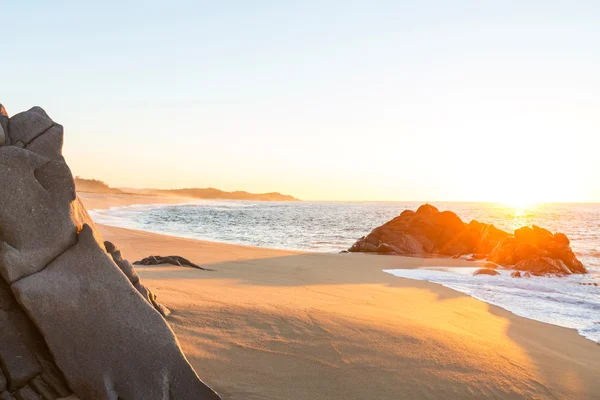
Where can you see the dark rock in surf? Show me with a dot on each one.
(542, 266)
(486, 271)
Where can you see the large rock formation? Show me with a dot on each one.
(74, 319)
(431, 232)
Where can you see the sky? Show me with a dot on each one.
(324, 100)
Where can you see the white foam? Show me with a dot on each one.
(571, 302)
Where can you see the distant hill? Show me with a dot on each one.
(96, 186)
(93, 186)
(211, 193)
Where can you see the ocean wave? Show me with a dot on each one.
(559, 301)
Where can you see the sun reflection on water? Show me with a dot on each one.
(517, 214)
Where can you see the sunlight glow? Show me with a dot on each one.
(521, 207)
(393, 106)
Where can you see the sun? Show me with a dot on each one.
(519, 202)
(520, 208)
(521, 194)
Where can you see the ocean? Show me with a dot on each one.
(572, 302)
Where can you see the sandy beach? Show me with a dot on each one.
(108, 200)
(273, 324)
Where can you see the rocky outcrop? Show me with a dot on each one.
(486, 271)
(133, 277)
(74, 319)
(538, 251)
(428, 231)
(173, 260)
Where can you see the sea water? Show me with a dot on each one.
(572, 302)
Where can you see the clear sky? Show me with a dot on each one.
(333, 100)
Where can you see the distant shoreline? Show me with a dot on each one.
(97, 186)
(103, 201)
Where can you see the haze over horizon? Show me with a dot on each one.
(321, 100)
(519, 205)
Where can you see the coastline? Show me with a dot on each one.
(288, 324)
(108, 200)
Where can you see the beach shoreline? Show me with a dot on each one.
(280, 324)
(101, 201)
